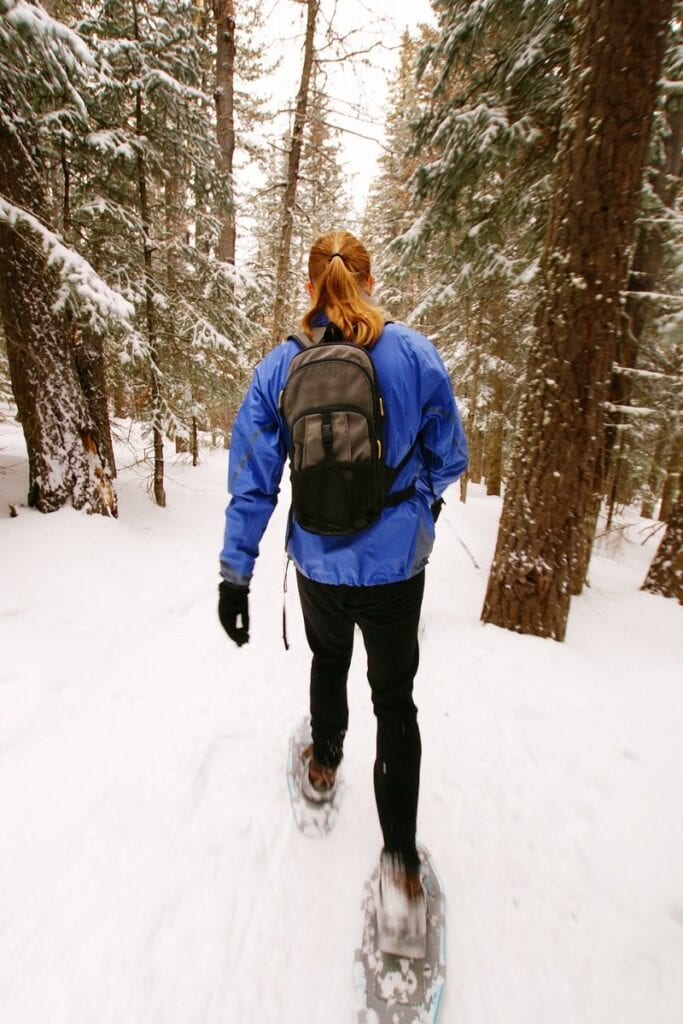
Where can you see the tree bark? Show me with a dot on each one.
(224, 98)
(293, 165)
(66, 462)
(666, 572)
(649, 259)
(476, 444)
(493, 459)
(612, 89)
(92, 374)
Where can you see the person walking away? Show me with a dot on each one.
(371, 576)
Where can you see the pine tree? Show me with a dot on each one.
(156, 214)
(322, 204)
(390, 211)
(552, 490)
(488, 135)
(48, 291)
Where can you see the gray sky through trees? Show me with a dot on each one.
(357, 88)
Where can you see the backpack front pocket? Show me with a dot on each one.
(336, 499)
(340, 436)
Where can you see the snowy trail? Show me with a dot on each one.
(150, 870)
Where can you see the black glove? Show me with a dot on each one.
(436, 508)
(233, 601)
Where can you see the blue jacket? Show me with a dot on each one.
(419, 405)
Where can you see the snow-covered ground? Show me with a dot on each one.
(150, 870)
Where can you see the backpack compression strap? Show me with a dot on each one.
(393, 473)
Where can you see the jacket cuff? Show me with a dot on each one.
(230, 576)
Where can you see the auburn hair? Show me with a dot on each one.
(338, 269)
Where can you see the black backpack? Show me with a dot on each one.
(334, 414)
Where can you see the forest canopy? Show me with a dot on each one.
(155, 218)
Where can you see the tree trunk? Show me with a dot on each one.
(150, 316)
(666, 572)
(472, 395)
(476, 468)
(64, 446)
(584, 543)
(656, 473)
(195, 442)
(293, 165)
(672, 481)
(493, 460)
(224, 98)
(91, 367)
(598, 172)
(88, 347)
(649, 258)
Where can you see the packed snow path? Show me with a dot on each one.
(150, 869)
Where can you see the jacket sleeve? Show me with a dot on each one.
(442, 441)
(257, 457)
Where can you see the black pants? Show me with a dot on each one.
(388, 617)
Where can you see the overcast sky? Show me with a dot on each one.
(359, 89)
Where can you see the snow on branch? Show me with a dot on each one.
(78, 279)
(115, 142)
(27, 29)
(34, 21)
(641, 411)
(633, 371)
(204, 334)
(156, 77)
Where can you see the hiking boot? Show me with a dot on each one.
(401, 909)
(318, 782)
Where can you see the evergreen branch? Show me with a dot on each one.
(78, 278)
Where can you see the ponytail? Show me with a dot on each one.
(339, 268)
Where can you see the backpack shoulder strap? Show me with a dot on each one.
(319, 334)
(303, 341)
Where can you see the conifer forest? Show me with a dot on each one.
(159, 193)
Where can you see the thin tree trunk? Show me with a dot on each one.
(614, 479)
(493, 464)
(646, 267)
(66, 463)
(195, 442)
(672, 482)
(470, 426)
(666, 572)
(598, 173)
(150, 316)
(656, 473)
(224, 98)
(293, 165)
(476, 469)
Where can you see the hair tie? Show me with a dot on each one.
(336, 254)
